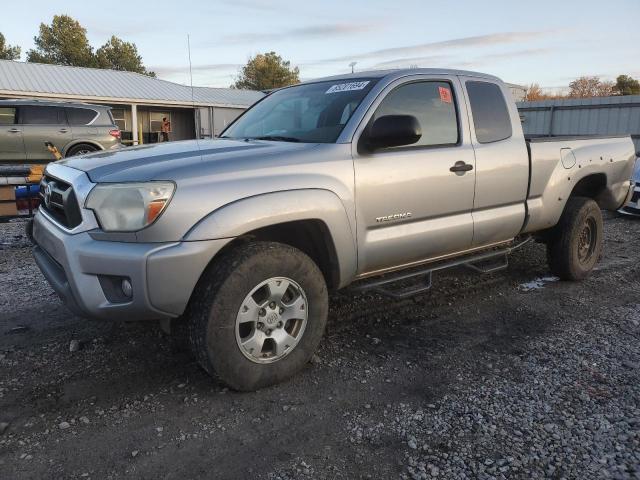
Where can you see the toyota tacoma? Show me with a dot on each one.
(373, 180)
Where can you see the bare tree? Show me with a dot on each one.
(590, 87)
(535, 93)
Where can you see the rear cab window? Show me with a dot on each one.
(489, 111)
(42, 115)
(432, 103)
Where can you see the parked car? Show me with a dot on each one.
(633, 207)
(73, 128)
(371, 180)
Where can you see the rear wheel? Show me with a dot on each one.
(576, 244)
(82, 149)
(257, 315)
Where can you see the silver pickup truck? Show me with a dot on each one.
(373, 180)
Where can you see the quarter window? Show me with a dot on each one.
(7, 116)
(490, 112)
(36, 115)
(80, 116)
(432, 103)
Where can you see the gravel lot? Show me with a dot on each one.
(509, 375)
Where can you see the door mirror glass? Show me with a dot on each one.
(393, 131)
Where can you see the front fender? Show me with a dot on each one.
(248, 214)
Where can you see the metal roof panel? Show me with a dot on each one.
(92, 83)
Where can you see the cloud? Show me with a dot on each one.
(407, 62)
(205, 68)
(299, 33)
(504, 38)
(253, 5)
(514, 54)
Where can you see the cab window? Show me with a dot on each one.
(432, 103)
(489, 110)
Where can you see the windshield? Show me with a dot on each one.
(310, 113)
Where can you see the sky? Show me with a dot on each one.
(547, 42)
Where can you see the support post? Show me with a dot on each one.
(134, 123)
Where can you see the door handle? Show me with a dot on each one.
(460, 168)
(14, 130)
(63, 130)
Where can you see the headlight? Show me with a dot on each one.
(126, 207)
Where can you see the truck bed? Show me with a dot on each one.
(558, 164)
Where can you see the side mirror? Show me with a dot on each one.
(393, 131)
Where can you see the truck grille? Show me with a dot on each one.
(58, 199)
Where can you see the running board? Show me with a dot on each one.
(485, 262)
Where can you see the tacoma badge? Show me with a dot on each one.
(395, 216)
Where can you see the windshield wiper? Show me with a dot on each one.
(276, 138)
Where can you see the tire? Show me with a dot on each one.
(221, 342)
(81, 149)
(576, 244)
(28, 229)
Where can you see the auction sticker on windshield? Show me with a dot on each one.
(347, 87)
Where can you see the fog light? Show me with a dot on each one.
(127, 289)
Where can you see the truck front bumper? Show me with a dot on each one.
(87, 273)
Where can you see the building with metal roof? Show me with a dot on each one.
(138, 101)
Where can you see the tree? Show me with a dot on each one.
(120, 55)
(8, 52)
(266, 71)
(535, 93)
(64, 42)
(625, 85)
(590, 87)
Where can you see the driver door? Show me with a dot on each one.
(410, 206)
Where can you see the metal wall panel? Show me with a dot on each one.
(583, 116)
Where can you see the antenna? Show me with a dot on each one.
(193, 101)
(353, 64)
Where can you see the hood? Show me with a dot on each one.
(172, 160)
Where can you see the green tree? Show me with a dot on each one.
(64, 42)
(266, 71)
(8, 52)
(117, 54)
(626, 85)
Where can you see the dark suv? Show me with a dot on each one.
(73, 128)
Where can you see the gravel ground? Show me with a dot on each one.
(508, 375)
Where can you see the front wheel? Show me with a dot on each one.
(257, 315)
(576, 244)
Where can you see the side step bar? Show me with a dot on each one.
(485, 262)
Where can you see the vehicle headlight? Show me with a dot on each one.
(126, 207)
